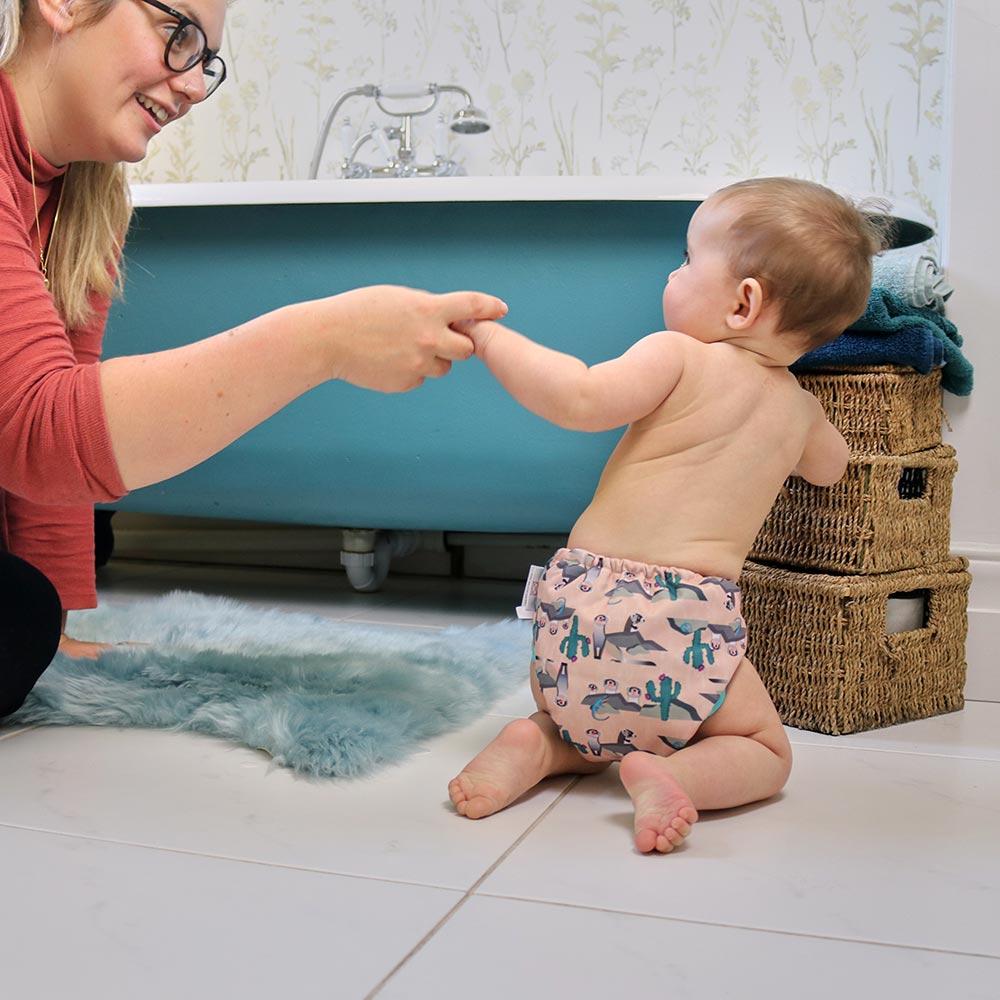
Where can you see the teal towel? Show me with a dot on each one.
(888, 313)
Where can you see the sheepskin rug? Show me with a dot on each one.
(322, 697)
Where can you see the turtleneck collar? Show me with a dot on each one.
(45, 172)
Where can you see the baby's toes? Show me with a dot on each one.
(646, 840)
(681, 825)
(457, 791)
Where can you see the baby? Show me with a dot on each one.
(639, 646)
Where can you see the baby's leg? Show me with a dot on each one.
(524, 752)
(739, 755)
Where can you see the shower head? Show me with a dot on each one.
(470, 121)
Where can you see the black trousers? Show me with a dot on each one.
(30, 625)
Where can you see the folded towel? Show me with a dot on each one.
(910, 347)
(888, 313)
(914, 277)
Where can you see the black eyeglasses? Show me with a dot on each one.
(187, 46)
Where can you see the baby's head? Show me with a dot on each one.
(810, 249)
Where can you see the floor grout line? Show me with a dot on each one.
(230, 858)
(743, 927)
(471, 890)
(904, 752)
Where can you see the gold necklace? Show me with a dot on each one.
(43, 251)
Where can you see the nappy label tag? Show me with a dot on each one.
(529, 599)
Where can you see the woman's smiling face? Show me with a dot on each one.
(115, 89)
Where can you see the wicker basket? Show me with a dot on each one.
(882, 410)
(889, 512)
(822, 649)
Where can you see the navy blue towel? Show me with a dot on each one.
(910, 347)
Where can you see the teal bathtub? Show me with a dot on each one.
(458, 454)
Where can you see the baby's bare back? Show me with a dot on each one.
(690, 484)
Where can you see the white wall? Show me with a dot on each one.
(970, 252)
(842, 91)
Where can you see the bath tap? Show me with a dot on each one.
(400, 161)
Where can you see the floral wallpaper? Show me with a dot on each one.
(841, 91)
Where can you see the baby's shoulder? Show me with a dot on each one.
(774, 394)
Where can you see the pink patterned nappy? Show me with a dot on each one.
(633, 657)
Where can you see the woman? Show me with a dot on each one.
(84, 86)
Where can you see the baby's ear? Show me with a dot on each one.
(748, 306)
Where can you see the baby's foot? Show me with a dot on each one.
(514, 762)
(663, 811)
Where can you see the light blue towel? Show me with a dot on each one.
(915, 277)
(888, 313)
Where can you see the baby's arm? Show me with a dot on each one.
(563, 390)
(825, 455)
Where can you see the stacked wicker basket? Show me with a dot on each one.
(832, 566)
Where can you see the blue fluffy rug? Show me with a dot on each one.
(321, 697)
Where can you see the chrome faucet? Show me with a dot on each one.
(400, 161)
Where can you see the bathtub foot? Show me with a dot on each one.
(366, 554)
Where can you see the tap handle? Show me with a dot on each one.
(382, 141)
(400, 90)
(346, 137)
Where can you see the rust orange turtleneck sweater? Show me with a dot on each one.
(55, 451)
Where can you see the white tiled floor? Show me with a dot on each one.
(139, 864)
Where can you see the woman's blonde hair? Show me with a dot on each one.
(810, 248)
(84, 256)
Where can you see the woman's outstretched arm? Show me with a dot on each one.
(168, 411)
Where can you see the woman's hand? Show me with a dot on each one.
(79, 650)
(398, 336)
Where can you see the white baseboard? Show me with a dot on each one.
(983, 681)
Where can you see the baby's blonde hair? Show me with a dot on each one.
(810, 248)
(85, 253)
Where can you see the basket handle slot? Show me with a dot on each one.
(912, 484)
(907, 612)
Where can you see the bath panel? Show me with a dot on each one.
(458, 454)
